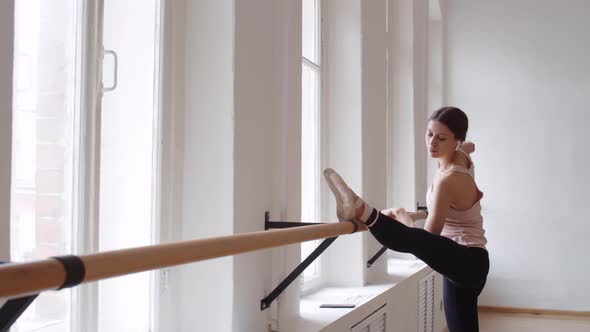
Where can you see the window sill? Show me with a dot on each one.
(401, 269)
(367, 298)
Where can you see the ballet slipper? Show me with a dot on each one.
(349, 206)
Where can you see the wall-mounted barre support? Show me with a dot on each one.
(265, 303)
(376, 256)
(22, 279)
(21, 282)
(421, 208)
(12, 309)
(284, 224)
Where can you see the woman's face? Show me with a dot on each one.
(440, 140)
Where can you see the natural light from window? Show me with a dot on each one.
(44, 148)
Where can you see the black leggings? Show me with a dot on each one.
(465, 269)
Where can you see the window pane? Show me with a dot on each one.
(309, 141)
(128, 151)
(310, 13)
(44, 143)
(309, 160)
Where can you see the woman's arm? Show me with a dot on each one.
(441, 201)
(407, 218)
(435, 219)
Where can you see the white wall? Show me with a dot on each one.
(374, 120)
(401, 132)
(520, 70)
(342, 130)
(255, 156)
(267, 111)
(6, 53)
(409, 94)
(287, 185)
(287, 200)
(435, 78)
(421, 94)
(204, 291)
(233, 125)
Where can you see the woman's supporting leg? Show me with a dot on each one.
(460, 307)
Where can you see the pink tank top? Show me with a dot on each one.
(463, 226)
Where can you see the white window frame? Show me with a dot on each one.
(80, 203)
(316, 281)
(93, 154)
(86, 182)
(86, 177)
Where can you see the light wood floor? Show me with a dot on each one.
(502, 322)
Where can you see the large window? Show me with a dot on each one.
(310, 144)
(51, 149)
(45, 143)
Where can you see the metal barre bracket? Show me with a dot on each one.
(265, 303)
(284, 224)
(12, 309)
(376, 256)
(421, 208)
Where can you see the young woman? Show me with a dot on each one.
(452, 241)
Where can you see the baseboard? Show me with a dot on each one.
(531, 311)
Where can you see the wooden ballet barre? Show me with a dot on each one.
(20, 279)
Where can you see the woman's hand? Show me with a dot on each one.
(468, 147)
(399, 214)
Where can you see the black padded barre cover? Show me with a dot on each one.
(75, 270)
(356, 226)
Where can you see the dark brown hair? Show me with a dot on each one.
(453, 118)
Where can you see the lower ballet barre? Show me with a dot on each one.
(22, 282)
(20, 279)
